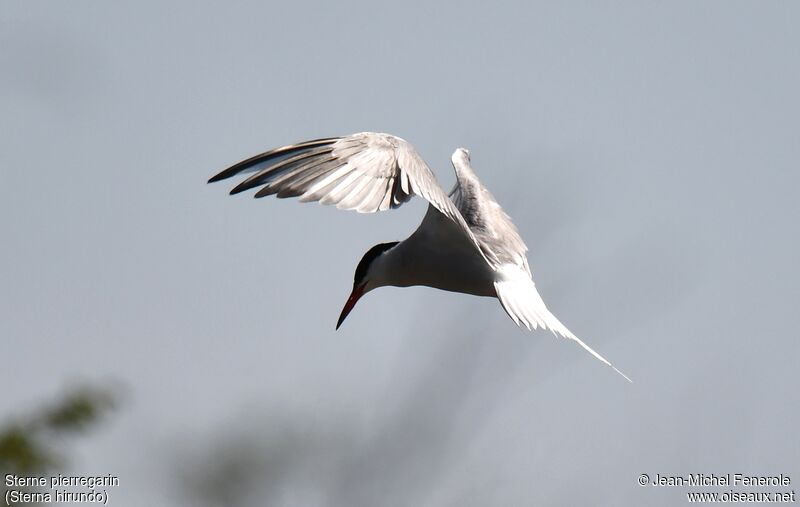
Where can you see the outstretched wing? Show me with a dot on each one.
(366, 172)
(497, 235)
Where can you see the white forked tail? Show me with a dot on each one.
(522, 302)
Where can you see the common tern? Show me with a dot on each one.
(465, 243)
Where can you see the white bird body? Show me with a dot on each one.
(465, 243)
(436, 255)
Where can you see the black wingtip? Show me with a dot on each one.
(283, 151)
(227, 173)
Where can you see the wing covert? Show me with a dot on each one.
(497, 235)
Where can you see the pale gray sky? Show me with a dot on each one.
(647, 151)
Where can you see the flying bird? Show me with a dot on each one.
(465, 243)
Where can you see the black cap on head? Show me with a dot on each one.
(359, 284)
(372, 254)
